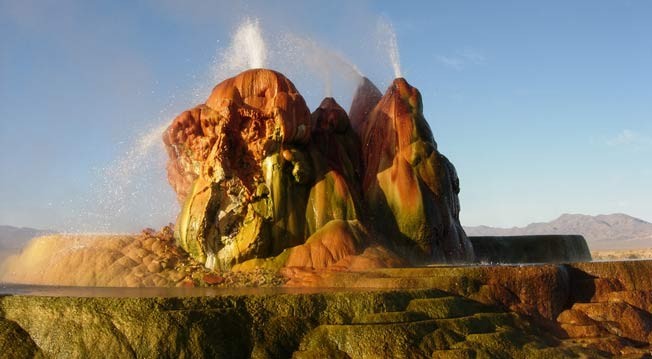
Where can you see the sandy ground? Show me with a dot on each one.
(622, 254)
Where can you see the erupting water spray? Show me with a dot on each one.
(246, 51)
(388, 41)
(132, 191)
(307, 53)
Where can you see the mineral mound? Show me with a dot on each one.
(263, 182)
(410, 188)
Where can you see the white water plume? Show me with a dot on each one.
(247, 50)
(130, 192)
(388, 41)
(302, 52)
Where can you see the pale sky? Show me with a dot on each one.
(544, 107)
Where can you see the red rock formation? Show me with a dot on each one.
(366, 98)
(612, 305)
(334, 138)
(256, 179)
(248, 116)
(260, 177)
(217, 153)
(409, 186)
(186, 145)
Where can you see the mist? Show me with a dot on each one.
(110, 176)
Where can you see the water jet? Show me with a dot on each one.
(344, 230)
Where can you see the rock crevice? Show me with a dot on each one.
(263, 180)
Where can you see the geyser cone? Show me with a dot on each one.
(250, 114)
(265, 183)
(366, 97)
(409, 186)
(333, 135)
(229, 151)
(268, 96)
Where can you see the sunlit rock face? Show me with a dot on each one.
(252, 182)
(148, 259)
(265, 183)
(410, 188)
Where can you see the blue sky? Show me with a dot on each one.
(544, 107)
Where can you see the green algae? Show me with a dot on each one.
(15, 342)
(354, 324)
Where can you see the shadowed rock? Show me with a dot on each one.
(475, 311)
(366, 98)
(530, 249)
(267, 179)
(410, 188)
(249, 175)
(263, 180)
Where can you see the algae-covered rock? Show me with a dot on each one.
(480, 332)
(16, 343)
(129, 327)
(242, 153)
(335, 154)
(409, 186)
(258, 176)
(220, 326)
(230, 148)
(446, 307)
(477, 311)
(530, 249)
(261, 178)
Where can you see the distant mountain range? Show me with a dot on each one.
(612, 231)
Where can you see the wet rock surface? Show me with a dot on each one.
(610, 306)
(410, 188)
(274, 196)
(263, 181)
(530, 249)
(149, 259)
(511, 311)
(409, 323)
(15, 342)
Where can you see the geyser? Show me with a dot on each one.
(247, 50)
(390, 44)
(265, 183)
(127, 193)
(326, 63)
(248, 41)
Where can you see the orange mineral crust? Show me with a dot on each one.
(265, 183)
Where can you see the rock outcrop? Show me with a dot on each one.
(262, 180)
(366, 98)
(410, 188)
(260, 177)
(581, 310)
(604, 306)
(335, 324)
(554, 248)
